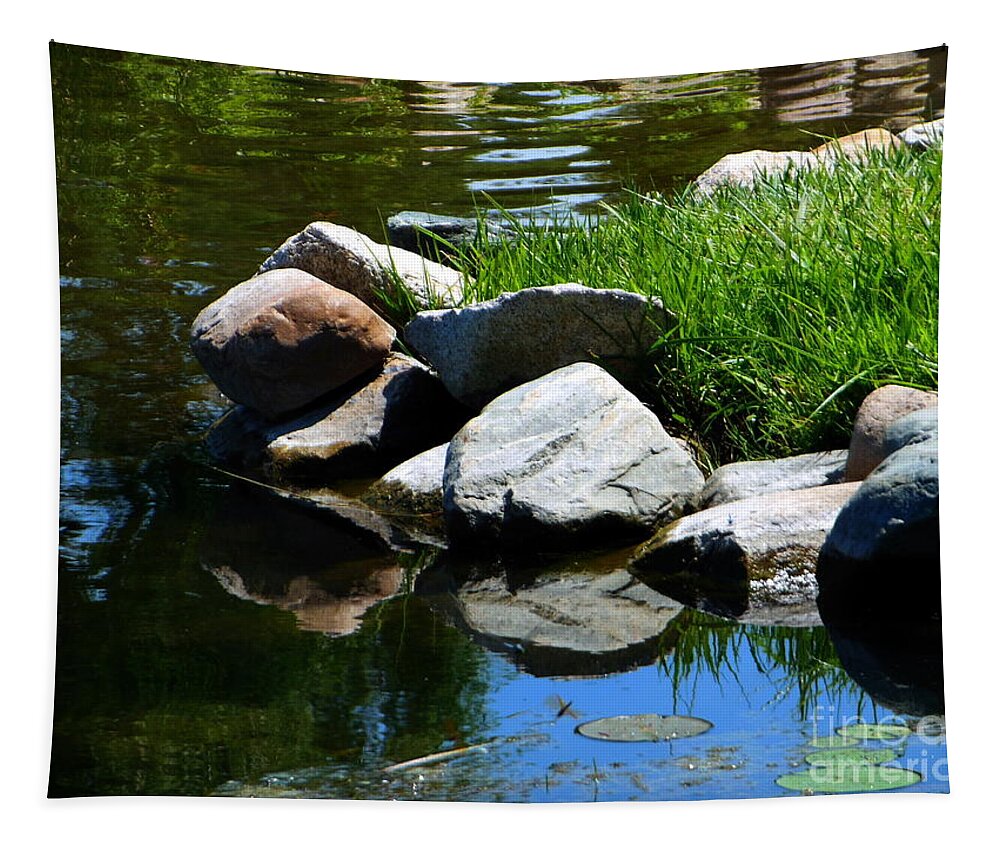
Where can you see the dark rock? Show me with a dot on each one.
(451, 234)
(755, 478)
(389, 415)
(882, 558)
(281, 340)
(351, 261)
(569, 456)
(741, 557)
(912, 428)
(485, 349)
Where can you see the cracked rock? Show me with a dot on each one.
(569, 456)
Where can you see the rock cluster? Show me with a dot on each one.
(748, 167)
(517, 428)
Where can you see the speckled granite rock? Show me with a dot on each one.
(482, 350)
(351, 261)
(754, 478)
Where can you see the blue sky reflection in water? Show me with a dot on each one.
(187, 661)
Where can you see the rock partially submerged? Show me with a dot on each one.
(745, 479)
(485, 349)
(567, 620)
(757, 553)
(413, 492)
(562, 459)
(448, 234)
(351, 261)
(878, 411)
(285, 338)
(388, 416)
(883, 553)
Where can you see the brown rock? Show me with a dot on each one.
(879, 410)
(858, 145)
(285, 338)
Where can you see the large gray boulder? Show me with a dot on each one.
(565, 620)
(284, 339)
(748, 167)
(389, 415)
(569, 456)
(923, 135)
(878, 411)
(351, 261)
(755, 554)
(745, 479)
(484, 349)
(884, 549)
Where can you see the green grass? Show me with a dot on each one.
(794, 299)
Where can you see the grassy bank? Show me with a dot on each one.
(794, 299)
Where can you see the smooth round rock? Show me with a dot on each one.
(281, 340)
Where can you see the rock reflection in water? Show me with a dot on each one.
(897, 663)
(576, 616)
(272, 554)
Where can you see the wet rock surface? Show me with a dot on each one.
(416, 486)
(351, 261)
(386, 417)
(567, 457)
(754, 556)
(450, 233)
(578, 617)
(746, 479)
(284, 339)
(486, 349)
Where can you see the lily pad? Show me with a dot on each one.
(851, 756)
(834, 742)
(643, 728)
(879, 732)
(849, 778)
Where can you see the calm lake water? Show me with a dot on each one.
(214, 641)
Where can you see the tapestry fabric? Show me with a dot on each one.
(512, 441)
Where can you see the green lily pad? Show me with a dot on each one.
(851, 756)
(643, 728)
(879, 732)
(846, 777)
(834, 742)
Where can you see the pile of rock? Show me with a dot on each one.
(519, 429)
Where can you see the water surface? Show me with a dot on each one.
(212, 643)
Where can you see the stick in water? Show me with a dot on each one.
(435, 757)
